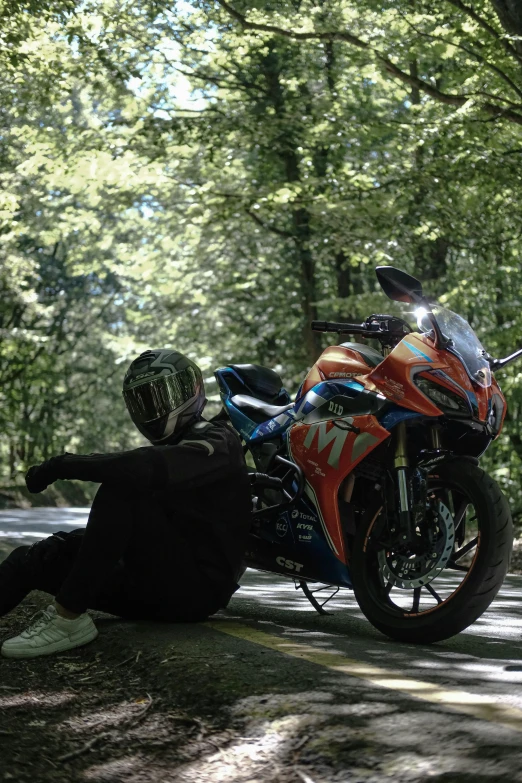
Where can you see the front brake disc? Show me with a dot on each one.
(411, 571)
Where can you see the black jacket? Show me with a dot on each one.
(201, 483)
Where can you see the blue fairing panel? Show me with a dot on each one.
(252, 432)
(304, 405)
(394, 416)
(294, 543)
(242, 423)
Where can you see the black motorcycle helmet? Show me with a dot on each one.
(164, 393)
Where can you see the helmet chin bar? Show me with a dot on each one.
(153, 430)
(171, 427)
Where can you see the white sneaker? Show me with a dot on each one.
(50, 633)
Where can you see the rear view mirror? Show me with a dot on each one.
(399, 286)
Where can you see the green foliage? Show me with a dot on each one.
(214, 175)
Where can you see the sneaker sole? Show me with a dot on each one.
(64, 644)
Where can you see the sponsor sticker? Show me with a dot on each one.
(281, 528)
(333, 407)
(296, 514)
(393, 388)
(333, 438)
(291, 565)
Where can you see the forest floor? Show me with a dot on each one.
(195, 703)
(131, 706)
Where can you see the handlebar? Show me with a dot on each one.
(332, 326)
(389, 329)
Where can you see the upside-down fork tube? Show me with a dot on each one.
(401, 464)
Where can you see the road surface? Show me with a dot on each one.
(328, 698)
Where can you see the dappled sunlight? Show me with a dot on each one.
(351, 730)
(330, 707)
(494, 705)
(36, 699)
(109, 717)
(243, 759)
(475, 670)
(115, 769)
(261, 591)
(481, 665)
(281, 592)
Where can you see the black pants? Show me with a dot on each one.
(130, 560)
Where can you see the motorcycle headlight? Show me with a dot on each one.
(443, 398)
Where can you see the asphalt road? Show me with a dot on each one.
(25, 526)
(334, 700)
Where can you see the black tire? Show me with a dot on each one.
(478, 587)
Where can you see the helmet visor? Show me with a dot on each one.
(161, 396)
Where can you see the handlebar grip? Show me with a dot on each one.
(333, 326)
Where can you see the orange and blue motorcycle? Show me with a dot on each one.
(370, 478)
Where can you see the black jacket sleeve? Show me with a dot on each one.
(207, 453)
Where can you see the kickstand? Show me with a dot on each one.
(303, 584)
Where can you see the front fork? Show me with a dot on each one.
(402, 465)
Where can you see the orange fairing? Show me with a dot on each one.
(394, 376)
(414, 355)
(327, 452)
(335, 363)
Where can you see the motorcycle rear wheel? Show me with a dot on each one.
(472, 576)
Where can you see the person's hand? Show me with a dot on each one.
(39, 477)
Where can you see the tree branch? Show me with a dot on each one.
(267, 226)
(486, 26)
(328, 35)
(474, 54)
(391, 67)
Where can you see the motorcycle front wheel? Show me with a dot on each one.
(427, 596)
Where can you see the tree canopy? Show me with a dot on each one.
(214, 175)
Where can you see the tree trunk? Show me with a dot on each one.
(287, 153)
(509, 13)
(12, 458)
(430, 255)
(312, 340)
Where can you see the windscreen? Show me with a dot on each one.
(465, 343)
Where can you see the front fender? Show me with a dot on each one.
(435, 457)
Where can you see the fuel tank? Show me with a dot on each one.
(340, 362)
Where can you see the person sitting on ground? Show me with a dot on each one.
(167, 529)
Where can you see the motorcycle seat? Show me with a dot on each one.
(371, 356)
(257, 410)
(261, 381)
